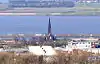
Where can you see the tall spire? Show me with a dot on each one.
(49, 27)
(49, 37)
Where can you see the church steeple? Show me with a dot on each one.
(49, 36)
(49, 27)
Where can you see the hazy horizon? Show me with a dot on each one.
(5, 1)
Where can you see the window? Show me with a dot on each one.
(88, 42)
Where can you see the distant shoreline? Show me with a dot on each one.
(44, 14)
(75, 11)
(5, 14)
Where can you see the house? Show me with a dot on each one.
(82, 43)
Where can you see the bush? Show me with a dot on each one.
(76, 57)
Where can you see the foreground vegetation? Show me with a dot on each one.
(76, 57)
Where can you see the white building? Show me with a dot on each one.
(85, 44)
(42, 50)
(81, 43)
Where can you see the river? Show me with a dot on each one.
(60, 24)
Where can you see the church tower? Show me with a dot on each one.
(50, 36)
(49, 28)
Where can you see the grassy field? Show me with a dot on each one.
(76, 57)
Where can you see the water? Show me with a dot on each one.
(60, 24)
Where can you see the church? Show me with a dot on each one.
(50, 36)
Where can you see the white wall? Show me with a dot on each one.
(37, 50)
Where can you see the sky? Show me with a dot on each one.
(4, 1)
(7, 1)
